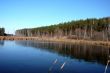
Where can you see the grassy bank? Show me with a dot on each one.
(104, 43)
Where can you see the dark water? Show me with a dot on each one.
(52, 57)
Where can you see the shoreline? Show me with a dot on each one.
(65, 40)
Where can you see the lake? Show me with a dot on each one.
(52, 57)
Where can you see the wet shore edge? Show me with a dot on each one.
(65, 40)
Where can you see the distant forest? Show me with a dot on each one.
(91, 29)
(2, 31)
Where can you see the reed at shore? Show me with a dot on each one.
(65, 40)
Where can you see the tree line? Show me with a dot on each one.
(2, 31)
(92, 28)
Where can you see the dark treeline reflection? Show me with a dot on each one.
(1, 42)
(89, 53)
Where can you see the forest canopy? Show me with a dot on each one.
(89, 27)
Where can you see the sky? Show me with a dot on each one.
(18, 14)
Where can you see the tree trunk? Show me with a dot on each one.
(85, 32)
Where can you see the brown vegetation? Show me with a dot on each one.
(104, 43)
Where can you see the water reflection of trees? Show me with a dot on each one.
(84, 52)
(1, 42)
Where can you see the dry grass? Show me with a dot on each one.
(104, 43)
